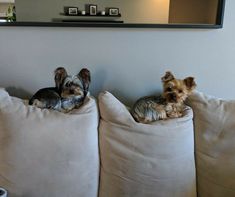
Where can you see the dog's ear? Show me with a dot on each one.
(85, 77)
(168, 77)
(190, 83)
(60, 75)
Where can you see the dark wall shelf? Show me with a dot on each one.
(88, 18)
(89, 21)
(88, 15)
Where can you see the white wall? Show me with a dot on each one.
(127, 62)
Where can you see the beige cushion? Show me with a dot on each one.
(215, 145)
(45, 153)
(140, 160)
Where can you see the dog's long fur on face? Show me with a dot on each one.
(168, 105)
(69, 93)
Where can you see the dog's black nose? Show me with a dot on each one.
(173, 97)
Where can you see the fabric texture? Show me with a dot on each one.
(215, 145)
(48, 153)
(144, 160)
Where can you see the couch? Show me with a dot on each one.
(99, 150)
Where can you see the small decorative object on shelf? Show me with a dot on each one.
(93, 10)
(113, 11)
(90, 11)
(11, 14)
(71, 11)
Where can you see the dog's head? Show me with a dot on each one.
(177, 90)
(72, 86)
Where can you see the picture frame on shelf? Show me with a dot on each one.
(71, 11)
(93, 10)
(113, 11)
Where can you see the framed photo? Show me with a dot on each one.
(113, 11)
(72, 11)
(93, 9)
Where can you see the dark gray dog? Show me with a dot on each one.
(69, 93)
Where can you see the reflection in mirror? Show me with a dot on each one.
(7, 10)
(116, 11)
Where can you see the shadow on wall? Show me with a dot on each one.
(98, 79)
(18, 92)
(23, 94)
(101, 75)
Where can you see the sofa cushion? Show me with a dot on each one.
(215, 145)
(155, 160)
(48, 153)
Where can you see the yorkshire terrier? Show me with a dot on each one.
(69, 91)
(168, 105)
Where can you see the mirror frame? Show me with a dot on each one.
(218, 25)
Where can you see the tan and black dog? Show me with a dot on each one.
(168, 105)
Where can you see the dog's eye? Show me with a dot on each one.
(68, 85)
(180, 91)
(168, 89)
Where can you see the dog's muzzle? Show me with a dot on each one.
(172, 97)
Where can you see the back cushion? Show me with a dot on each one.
(215, 145)
(140, 160)
(45, 153)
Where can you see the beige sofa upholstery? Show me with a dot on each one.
(45, 153)
(51, 154)
(215, 145)
(143, 160)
